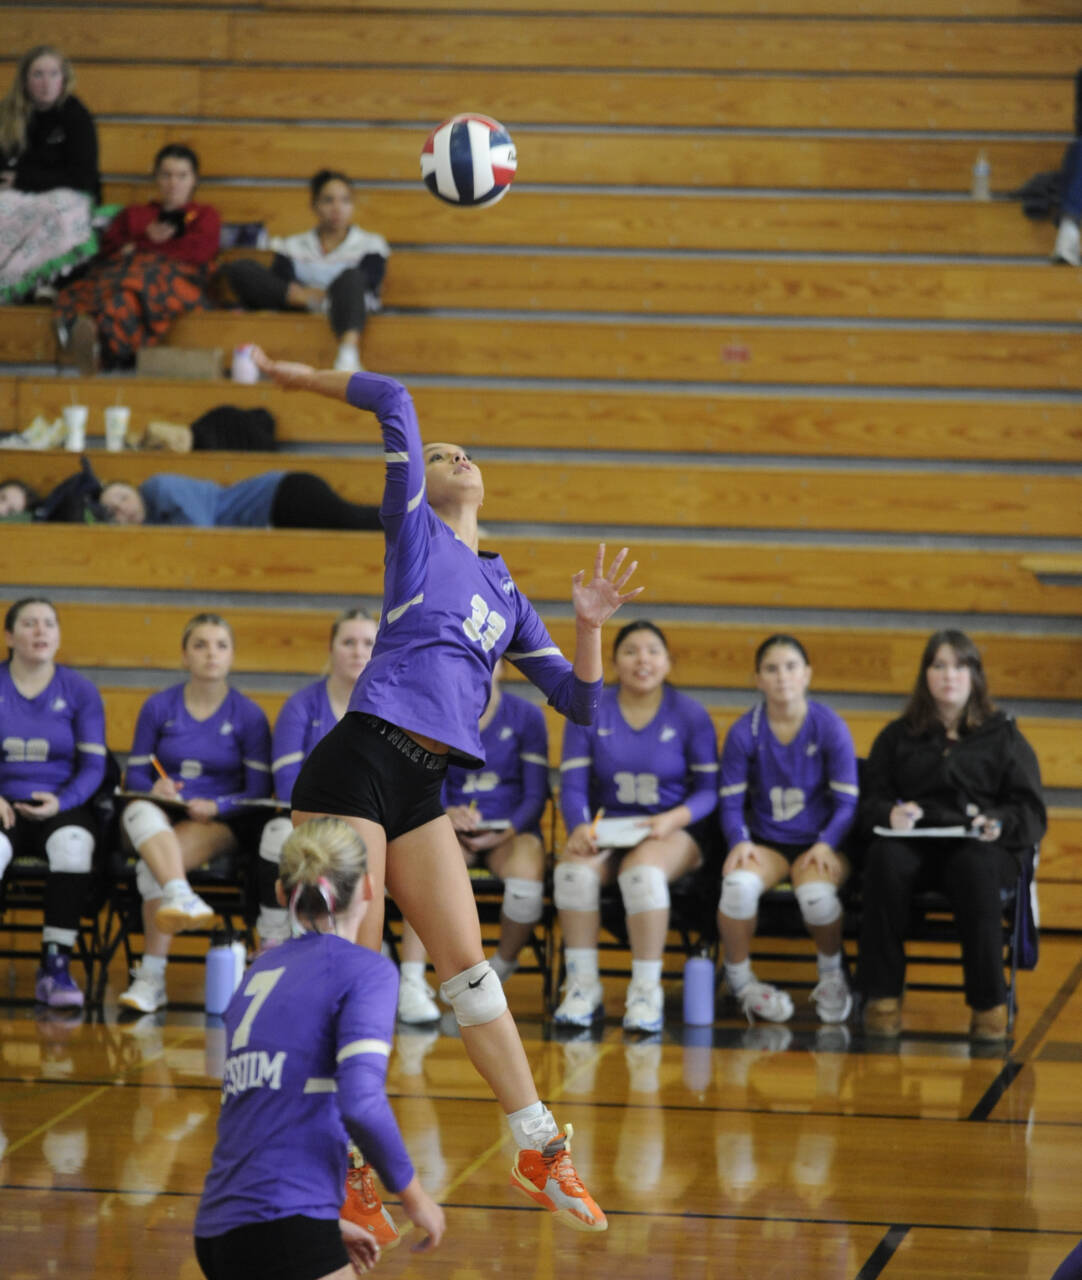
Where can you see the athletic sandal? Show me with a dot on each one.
(363, 1207)
(548, 1177)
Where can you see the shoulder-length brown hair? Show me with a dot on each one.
(920, 713)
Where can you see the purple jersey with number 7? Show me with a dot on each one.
(448, 614)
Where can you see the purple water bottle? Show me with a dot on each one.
(699, 990)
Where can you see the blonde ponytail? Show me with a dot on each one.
(322, 861)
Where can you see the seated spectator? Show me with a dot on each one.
(51, 764)
(278, 499)
(49, 182)
(511, 790)
(151, 269)
(306, 717)
(17, 500)
(201, 750)
(336, 268)
(950, 760)
(788, 799)
(651, 753)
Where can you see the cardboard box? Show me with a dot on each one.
(179, 362)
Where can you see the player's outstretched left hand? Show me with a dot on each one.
(597, 600)
(287, 374)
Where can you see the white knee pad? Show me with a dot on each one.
(141, 820)
(523, 900)
(740, 894)
(818, 903)
(576, 887)
(643, 889)
(146, 882)
(475, 994)
(70, 850)
(275, 834)
(6, 853)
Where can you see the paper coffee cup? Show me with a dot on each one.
(75, 416)
(117, 417)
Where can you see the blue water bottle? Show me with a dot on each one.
(699, 990)
(223, 971)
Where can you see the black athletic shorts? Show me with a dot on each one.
(294, 1248)
(367, 768)
(790, 852)
(28, 835)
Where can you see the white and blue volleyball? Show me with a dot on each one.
(468, 160)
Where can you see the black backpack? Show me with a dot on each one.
(75, 500)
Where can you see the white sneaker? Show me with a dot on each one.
(583, 1004)
(348, 359)
(416, 1004)
(832, 998)
(644, 1009)
(1068, 248)
(146, 993)
(183, 909)
(761, 1000)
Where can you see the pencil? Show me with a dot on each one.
(597, 818)
(158, 767)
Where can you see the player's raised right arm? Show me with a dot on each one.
(291, 376)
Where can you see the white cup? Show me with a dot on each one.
(75, 416)
(116, 427)
(244, 370)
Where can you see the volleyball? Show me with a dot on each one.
(468, 160)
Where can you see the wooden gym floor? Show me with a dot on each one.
(795, 1152)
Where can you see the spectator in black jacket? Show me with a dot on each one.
(49, 181)
(951, 761)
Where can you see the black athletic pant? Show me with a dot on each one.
(261, 288)
(305, 501)
(971, 874)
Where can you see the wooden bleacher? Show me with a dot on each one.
(741, 237)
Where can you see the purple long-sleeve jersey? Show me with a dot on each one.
(308, 1035)
(514, 783)
(796, 793)
(670, 761)
(224, 758)
(305, 718)
(448, 614)
(54, 742)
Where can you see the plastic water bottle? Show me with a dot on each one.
(699, 990)
(982, 177)
(244, 369)
(225, 968)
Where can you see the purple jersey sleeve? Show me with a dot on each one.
(88, 722)
(253, 738)
(840, 758)
(533, 754)
(513, 784)
(576, 770)
(532, 650)
(139, 774)
(304, 719)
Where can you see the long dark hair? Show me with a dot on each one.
(640, 624)
(12, 615)
(788, 641)
(920, 714)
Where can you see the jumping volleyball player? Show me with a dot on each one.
(450, 612)
(309, 1034)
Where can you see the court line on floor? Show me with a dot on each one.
(14, 1146)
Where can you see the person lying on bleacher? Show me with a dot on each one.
(651, 759)
(496, 813)
(49, 181)
(276, 499)
(152, 268)
(52, 726)
(201, 754)
(336, 268)
(788, 798)
(954, 764)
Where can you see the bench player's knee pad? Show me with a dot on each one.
(70, 850)
(475, 994)
(6, 853)
(818, 903)
(141, 820)
(146, 882)
(643, 888)
(275, 834)
(740, 894)
(575, 886)
(523, 900)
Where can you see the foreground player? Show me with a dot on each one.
(309, 1034)
(450, 612)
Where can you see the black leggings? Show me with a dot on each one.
(261, 288)
(305, 501)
